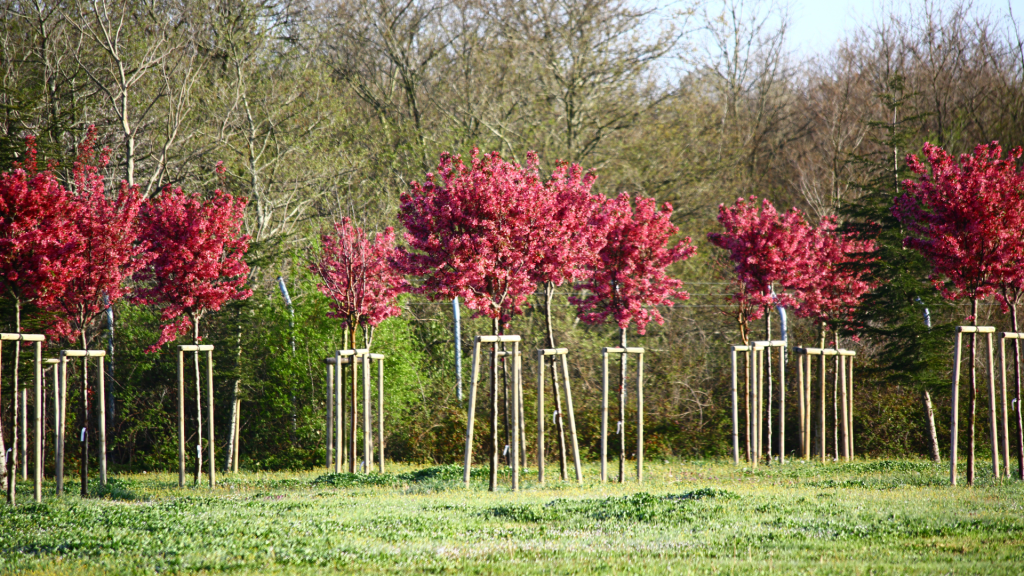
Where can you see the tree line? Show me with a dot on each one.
(327, 111)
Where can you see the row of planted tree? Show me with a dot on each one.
(493, 233)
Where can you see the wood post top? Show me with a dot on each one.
(976, 329)
(85, 353)
(489, 338)
(552, 351)
(22, 337)
(195, 347)
(627, 350)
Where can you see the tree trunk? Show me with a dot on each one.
(504, 398)
(549, 292)
(768, 368)
(229, 461)
(353, 410)
(85, 419)
(973, 398)
(1017, 406)
(835, 398)
(622, 407)
(199, 403)
(932, 436)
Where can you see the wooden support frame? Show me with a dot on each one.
(747, 350)
(38, 340)
(761, 346)
(955, 400)
(516, 385)
(101, 400)
(353, 357)
(368, 449)
(639, 352)
(556, 354)
(806, 383)
(335, 417)
(1002, 337)
(195, 348)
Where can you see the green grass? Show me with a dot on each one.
(868, 517)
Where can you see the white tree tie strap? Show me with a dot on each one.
(505, 451)
(618, 427)
(81, 437)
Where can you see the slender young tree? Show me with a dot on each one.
(831, 289)
(359, 276)
(576, 232)
(106, 254)
(37, 250)
(965, 215)
(195, 265)
(476, 232)
(630, 278)
(768, 249)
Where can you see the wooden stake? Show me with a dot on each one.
(801, 408)
(211, 457)
(955, 409)
(1006, 419)
(540, 415)
(572, 420)
(823, 402)
(329, 424)
(238, 441)
(640, 419)
(380, 411)
(339, 407)
(515, 415)
(993, 424)
(844, 401)
(782, 404)
(735, 412)
(38, 405)
(472, 412)
(103, 424)
(604, 416)
(849, 411)
(181, 418)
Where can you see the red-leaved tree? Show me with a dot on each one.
(630, 278)
(37, 243)
(359, 276)
(195, 265)
(476, 232)
(768, 250)
(966, 217)
(106, 253)
(576, 232)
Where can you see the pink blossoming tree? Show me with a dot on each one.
(477, 232)
(966, 217)
(630, 278)
(195, 265)
(37, 252)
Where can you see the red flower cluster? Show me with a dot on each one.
(478, 232)
(195, 257)
(358, 276)
(629, 278)
(815, 268)
(967, 218)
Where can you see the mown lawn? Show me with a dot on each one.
(868, 517)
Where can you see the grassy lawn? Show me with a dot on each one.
(868, 517)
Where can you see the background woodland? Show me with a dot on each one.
(326, 110)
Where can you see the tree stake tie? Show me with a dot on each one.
(81, 437)
(554, 416)
(505, 451)
(618, 427)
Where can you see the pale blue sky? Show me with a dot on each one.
(818, 24)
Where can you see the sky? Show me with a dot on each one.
(819, 24)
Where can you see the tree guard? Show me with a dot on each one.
(955, 415)
(84, 434)
(516, 384)
(1003, 337)
(38, 340)
(556, 354)
(760, 346)
(195, 348)
(624, 352)
(748, 351)
(805, 377)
